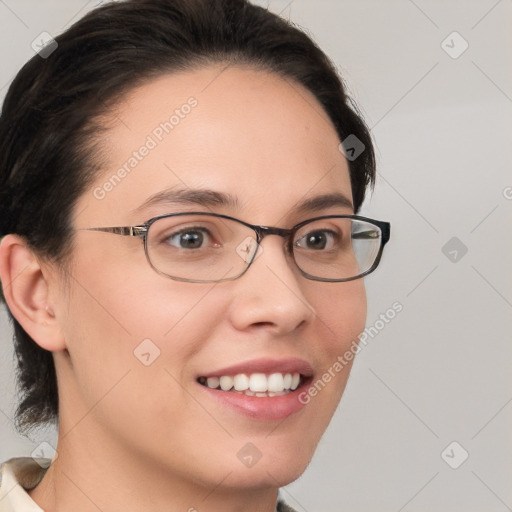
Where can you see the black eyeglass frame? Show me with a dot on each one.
(142, 230)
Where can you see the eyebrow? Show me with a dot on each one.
(323, 202)
(211, 198)
(189, 196)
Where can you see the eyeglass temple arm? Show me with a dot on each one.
(385, 229)
(138, 231)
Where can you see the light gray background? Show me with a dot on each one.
(440, 370)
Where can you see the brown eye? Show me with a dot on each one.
(188, 238)
(318, 240)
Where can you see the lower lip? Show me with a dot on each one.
(270, 408)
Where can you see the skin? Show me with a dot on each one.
(135, 437)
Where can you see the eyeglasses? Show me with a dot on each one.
(201, 247)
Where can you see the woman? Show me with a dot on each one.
(181, 256)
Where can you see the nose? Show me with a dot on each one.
(270, 295)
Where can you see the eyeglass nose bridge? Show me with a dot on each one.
(263, 231)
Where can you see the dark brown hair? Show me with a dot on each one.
(51, 121)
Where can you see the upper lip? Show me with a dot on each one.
(265, 365)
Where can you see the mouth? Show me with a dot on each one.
(262, 389)
(255, 384)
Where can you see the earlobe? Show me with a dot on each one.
(26, 291)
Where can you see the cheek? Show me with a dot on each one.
(341, 317)
(126, 320)
(341, 311)
(130, 344)
(130, 298)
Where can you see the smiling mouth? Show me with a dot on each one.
(255, 384)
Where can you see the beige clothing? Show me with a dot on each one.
(20, 474)
(17, 476)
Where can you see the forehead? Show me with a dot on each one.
(261, 138)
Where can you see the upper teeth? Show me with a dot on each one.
(255, 382)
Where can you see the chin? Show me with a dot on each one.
(269, 463)
(267, 475)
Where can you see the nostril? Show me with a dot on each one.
(263, 324)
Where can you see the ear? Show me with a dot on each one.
(26, 290)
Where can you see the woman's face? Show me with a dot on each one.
(139, 343)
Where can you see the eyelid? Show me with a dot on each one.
(319, 218)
